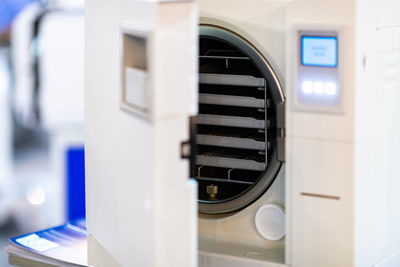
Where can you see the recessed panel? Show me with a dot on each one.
(134, 72)
(318, 85)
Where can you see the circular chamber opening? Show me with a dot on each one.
(236, 126)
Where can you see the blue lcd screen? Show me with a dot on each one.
(319, 51)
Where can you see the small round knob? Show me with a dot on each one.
(270, 222)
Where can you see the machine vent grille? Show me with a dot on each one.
(236, 122)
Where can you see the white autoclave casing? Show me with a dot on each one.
(339, 183)
(141, 204)
(340, 169)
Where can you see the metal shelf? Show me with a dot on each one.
(226, 141)
(223, 180)
(224, 57)
(230, 163)
(231, 79)
(231, 121)
(232, 100)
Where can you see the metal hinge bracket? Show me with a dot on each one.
(189, 148)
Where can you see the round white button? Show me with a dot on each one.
(318, 87)
(270, 222)
(331, 88)
(307, 87)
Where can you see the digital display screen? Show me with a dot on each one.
(319, 51)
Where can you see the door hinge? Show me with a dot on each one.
(189, 148)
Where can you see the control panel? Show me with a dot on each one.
(317, 84)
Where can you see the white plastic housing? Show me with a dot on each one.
(141, 207)
(339, 185)
(340, 170)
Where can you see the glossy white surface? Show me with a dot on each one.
(340, 188)
(141, 208)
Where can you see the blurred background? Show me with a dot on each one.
(41, 115)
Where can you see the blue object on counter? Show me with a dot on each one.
(75, 164)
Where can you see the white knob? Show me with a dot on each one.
(270, 222)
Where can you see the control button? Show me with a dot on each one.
(307, 87)
(318, 88)
(331, 88)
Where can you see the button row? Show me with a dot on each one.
(319, 88)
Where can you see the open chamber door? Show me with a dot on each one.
(140, 91)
